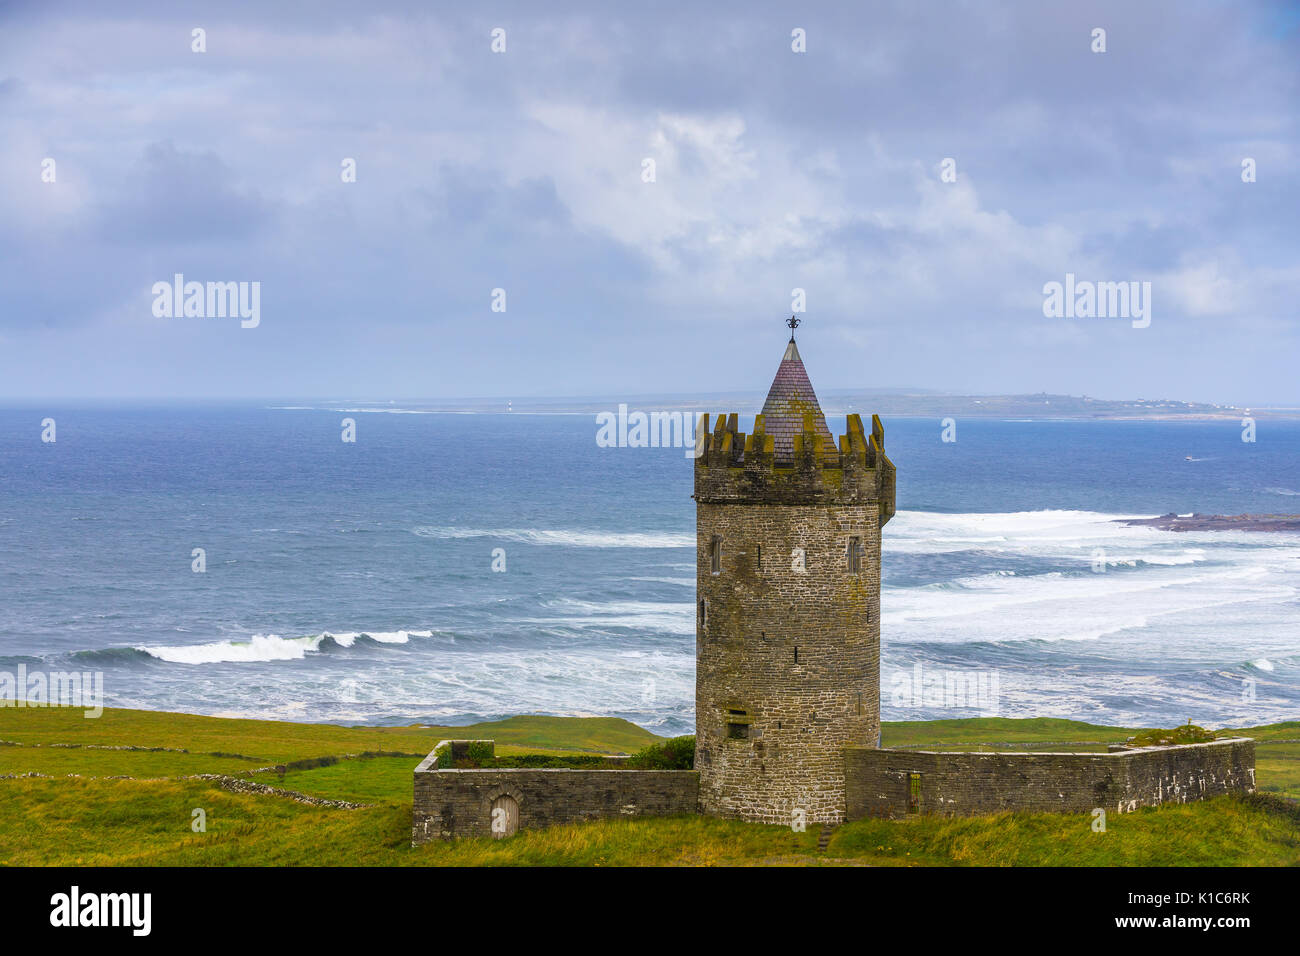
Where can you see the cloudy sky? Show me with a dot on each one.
(524, 170)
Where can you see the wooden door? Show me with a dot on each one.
(505, 817)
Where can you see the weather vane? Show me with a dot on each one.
(794, 324)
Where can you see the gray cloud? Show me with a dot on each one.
(174, 196)
(774, 170)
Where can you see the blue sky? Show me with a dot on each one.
(522, 170)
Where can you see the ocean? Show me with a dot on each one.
(354, 583)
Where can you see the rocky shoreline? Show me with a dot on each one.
(1200, 522)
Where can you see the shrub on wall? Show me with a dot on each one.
(1188, 733)
(553, 762)
(478, 753)
(675, 754)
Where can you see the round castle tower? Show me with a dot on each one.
(787, 635)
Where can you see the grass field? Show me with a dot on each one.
(89, 804)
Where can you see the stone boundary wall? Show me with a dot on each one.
(879, 782)
(458, 803)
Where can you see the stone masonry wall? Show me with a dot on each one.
(960, 784)
(797, 652)
(458, 803)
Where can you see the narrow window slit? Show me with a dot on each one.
(737, 723)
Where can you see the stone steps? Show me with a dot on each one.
(824, 840)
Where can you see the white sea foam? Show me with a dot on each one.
(918, 532)
(261, 648)
(681, 582)
(1166, 587)
(567, 538)
(348, 638)
(388, 411)
(670, 618)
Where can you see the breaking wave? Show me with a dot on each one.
(261, 648)
(1108, 578)
(567, 538)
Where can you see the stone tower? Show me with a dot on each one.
(787, 636)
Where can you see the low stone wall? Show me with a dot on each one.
(459, 803)
(880, 783)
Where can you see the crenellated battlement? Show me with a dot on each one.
(733, 467)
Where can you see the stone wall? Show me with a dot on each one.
(879, 782)
(458, 803)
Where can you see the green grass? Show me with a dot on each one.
(948, 734)
(280, 741)
(375, 780)
(60, 761)
(92, 819)
(131, 823)
(1225, 831)
(1277, 769)
(1287, 730)
(137, 823)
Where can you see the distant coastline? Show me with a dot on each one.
(886, 403)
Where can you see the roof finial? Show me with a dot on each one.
(794, 324)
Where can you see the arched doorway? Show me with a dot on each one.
(504, 819)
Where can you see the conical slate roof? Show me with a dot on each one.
(790, 396)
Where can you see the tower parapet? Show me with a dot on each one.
(733, 466)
